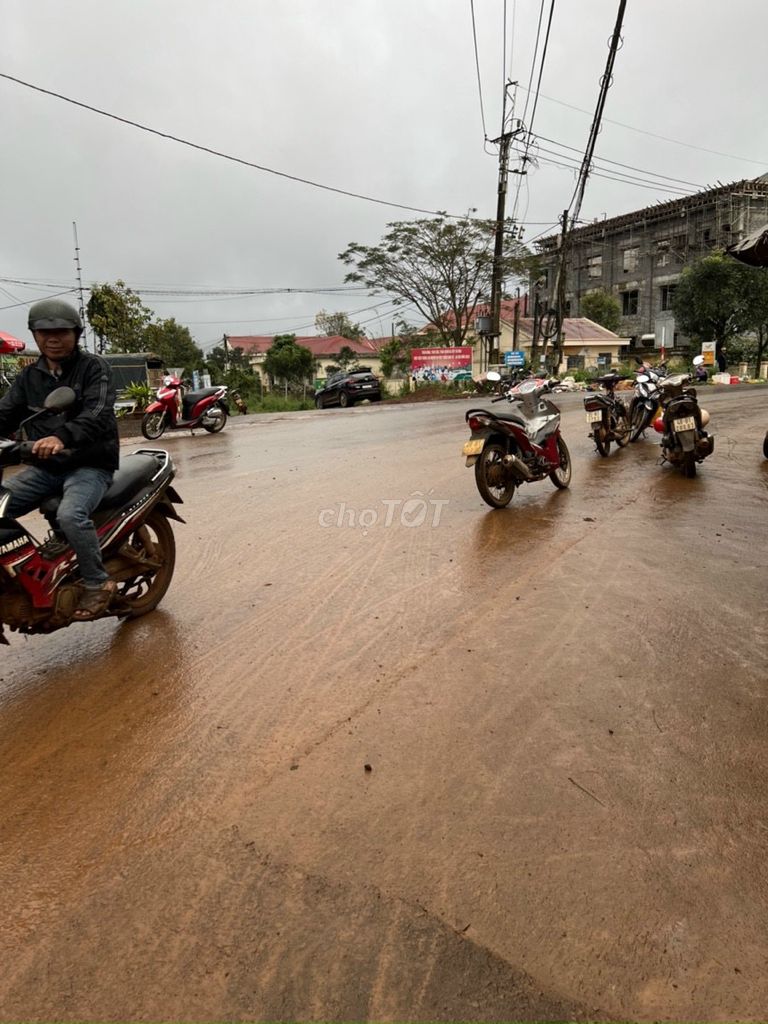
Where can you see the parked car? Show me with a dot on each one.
(347, 387)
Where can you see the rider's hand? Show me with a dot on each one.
(47, 446)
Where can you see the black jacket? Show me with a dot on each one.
(88, 428)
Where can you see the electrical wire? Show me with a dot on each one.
(617, 163)
(477, 68)
(654, 135)
(28, 302)
(227, 156)
(599, 172)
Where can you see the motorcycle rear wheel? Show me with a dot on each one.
(154, 541)
(218, 424)
(689, 465)
(153, 425)
(601, 439)
(495, 484)
(561, 477)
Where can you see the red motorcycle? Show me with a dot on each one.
(178, 409)
(40, 586)
(520, 446)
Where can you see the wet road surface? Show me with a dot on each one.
(561, 707)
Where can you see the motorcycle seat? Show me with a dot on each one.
(608, 378)
(191, 397)
(510, 417)
(135, 472)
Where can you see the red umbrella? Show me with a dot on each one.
(10, 345)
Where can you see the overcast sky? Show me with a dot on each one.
(373, 96)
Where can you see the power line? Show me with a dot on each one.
(617, 163)
(477, 67)
(541, 67)
(55, 295)
(599, 172)
(654, 135)
(227, 156)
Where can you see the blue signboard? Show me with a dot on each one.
(514, 358)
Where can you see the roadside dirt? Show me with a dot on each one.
(561, 707)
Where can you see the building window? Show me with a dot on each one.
(575, 362)
(629, 303)
(667, 294)
(630, 260)
(595, 266)
(604, 358)
(662, 252)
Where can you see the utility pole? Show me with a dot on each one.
(226, 353)
(504, 141)
(80, 289)
(578, 195)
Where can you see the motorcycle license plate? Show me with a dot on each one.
(594, 417)
(685, 423)
(473, 447)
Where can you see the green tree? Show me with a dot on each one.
(603, 308)
(441, 266)
(395, 355)
(118, 317)
(713, 300)
(287, 361)
(174, 344)
(334, 324)
(224, 357)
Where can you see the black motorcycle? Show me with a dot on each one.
(608, 417)
(684, 441)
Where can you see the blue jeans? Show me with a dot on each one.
(81, 491)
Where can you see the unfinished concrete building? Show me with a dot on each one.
(638, 257)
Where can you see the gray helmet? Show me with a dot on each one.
(53, 314)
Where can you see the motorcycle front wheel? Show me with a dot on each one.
(153, 547)
(153, 425)
(218, 424)
(639, 421)
(494, 482)
(561, 477)
(622, 427)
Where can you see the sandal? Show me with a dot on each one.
(94, 603)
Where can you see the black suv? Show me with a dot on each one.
(347, 387)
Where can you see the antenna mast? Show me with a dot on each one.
(80, 289)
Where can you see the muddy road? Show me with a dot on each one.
(376, 760)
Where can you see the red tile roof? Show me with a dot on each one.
(320, 347)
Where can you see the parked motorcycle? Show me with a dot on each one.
(608, 417)
(238, 402)
(684, 441)
(521, 446)
(39, 582)
(178, 409)
(646, 405)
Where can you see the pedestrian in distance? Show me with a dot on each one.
(76, 450)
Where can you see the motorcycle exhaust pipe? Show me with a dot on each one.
(518, 467)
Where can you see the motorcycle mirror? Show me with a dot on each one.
(642, 378)
(59, 399)
(492, 375)
(698, 360)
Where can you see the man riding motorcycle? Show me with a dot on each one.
(77, 449)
